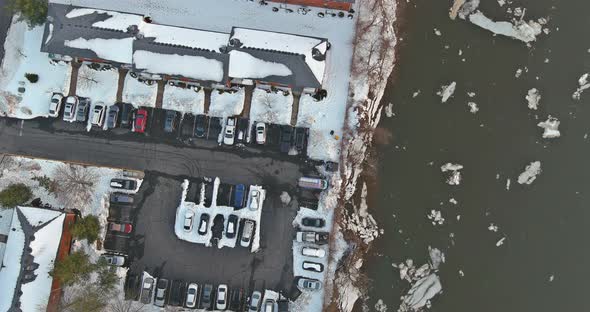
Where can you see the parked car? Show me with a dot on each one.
(286, 138)
(247, 233)
(112, 116)
(192, 295)
(124, 184)
(232, 226)
(82, 111)
(126, 114)
(313, 222)
(221, 302)
(200, 126)
(125, 228)
(309, 203)
(161, 289)
(300, 138)
(260, 133)
(140, 121)
(230, 131)
(313, 266)
(206, 299)
(177, 291)
(204, 224)
(255, 301)
(147, 290)
(121, 198)
(98, 114)
(239, 196)
(170, 121)
(270, 306)
(319, 238)
(70, 108)
(312, 183)
(313, 252)
(309, 284)
(114, 260)
(254, 200)
(55, 104)
(235, 303)
(188, 221)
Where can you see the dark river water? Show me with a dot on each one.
(546, 224)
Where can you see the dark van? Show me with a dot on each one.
(240, 190)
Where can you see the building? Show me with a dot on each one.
(344, 5)
(194, 56)
(31, 239)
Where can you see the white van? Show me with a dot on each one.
(312, 183)
(247, 233)
(98, 114)
(313, 252)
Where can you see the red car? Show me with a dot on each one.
(120, 227)
(140, 121)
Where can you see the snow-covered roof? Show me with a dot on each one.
(40, 230)
(186, 37)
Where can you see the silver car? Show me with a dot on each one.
(114, 260)
(255, 301)
(161, 289)
(309, 284)
(147, 290)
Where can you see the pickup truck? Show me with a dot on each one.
(319, 238)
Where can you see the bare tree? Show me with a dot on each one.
(122, 305)
(270, 114)
(74, 184)
(84, 298)
(87, 77)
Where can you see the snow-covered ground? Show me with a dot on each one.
(319, 118)
(198, 209)
(271, 107)
(98, 85)
(185, 100)
(227, 104)
(138, 93)
(22, 56)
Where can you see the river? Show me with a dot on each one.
(543, 263)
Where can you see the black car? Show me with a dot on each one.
(286, 138)
(310, 203)
(126, 114)
(200, 126)
(161, 290)
(170, 121)
(232, 226)
(203, 224)
(207, 297)
(300, 138)
(121, 198)
(177, 292)
(124, 184)
(236, 299)
(313, 222)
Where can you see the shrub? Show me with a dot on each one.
(86, 228)
(14, 195)
(45, 182)
(32, 77)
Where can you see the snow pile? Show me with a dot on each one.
(116, 50)
(584, 84)
(285, 198)
(22, 56)
(550, 127)
(361, 222)
(185, 100)
(271, 106)
(189, 66)
(530, 173)
(446, 91)
(436, 217)
(519, 30)
(424, 281)
(227, 103)
(139, 93)
(98, 85)
(317, 116)
(533, 97)
(473, 107)
(454, 178)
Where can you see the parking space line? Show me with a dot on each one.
(22, 123)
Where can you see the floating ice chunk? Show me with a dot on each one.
(455, 176)
(500, 242)
(473, 107)
(507, 184)
(518, 73)
(437, 32)
(458, 217)
(493, 227)
(583, 82)
(453, 201)
(551, 278)
(501, 2)
(389, 110)
(436, 217)
(436, 257)
(533, 97)
(551, 126)
(455, 8)
(460, 52)
(521, 30)
(380, 306)
(446, 91)
(471, 94)
(415, 94)
(461, 273)
(530, 173)
(420, 294)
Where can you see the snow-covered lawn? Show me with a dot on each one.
(138, 93)
(271, 107)
(22, 56)
(227, 103)
(321, 118)
(98, 85)
(199, 209)
(185, 100)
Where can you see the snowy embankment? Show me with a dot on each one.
(271, 106)
(225, 104)
(139, 93)
(184, 100)
(19, 97)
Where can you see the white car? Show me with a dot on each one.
(313, 252)
(55, 104)
(254, 200)
(70, 108)
(98, 114)
(221, 302)
(260, 133)
(189, 216)
(230, 131)
(191, 295)
(114, 260)
(247, 233)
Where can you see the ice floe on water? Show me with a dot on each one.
(436, 217)
(508, 184)
(533, 97)
(493, 227)
(446, 91)
(389, 110)
(424, 281)
(550, 126)
(520, 30)
(500, 242)
(416, 93)
(473, 107)
(453, 201)
(454, 178)
(583, 85)
(437, 32)
(380, 306)
(530, 173)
